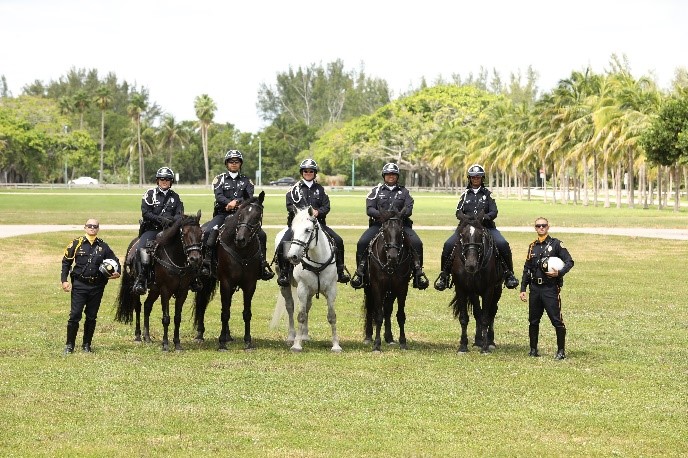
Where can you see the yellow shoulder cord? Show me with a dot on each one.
(81, 240)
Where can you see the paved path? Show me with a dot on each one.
(669, 234)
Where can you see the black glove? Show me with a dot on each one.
(166, 221)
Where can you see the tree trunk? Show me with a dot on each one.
(677, 188)
(605, 184)
(631, 183)
(595, 180)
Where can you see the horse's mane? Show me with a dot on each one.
(386, 215)
(231, 222)
(472, 220)
(166, 237)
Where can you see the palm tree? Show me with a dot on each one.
(205, 111)
(137, 105)
(81, 103)
(171, 134)
(103, 101)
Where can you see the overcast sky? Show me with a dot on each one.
(226, 49)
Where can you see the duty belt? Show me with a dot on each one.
(90, 280)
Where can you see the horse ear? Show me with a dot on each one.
(198, 215)
(310, 211)
(261, 197)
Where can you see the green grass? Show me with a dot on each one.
(621, 392)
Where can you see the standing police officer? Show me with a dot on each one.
(477, 198)
(545, 286)
(307, 192)
(87, 253)
(160, 207)
(389, 196)
(231, 188)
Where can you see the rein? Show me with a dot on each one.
(253, 232)
(390, 269)
(170, 265)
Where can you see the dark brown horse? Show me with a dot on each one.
(477, 277)
(238, 267)
(177, 258)
(390, 267)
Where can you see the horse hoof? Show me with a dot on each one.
(484, 352)
(137, 339)
(403, 346)
(165, 348)
(337, 349)
(463, 349)
(377, 351)
(492, 347)
(199, 341)
(392, 342)
(296, 349)
(178, 348)
(367, 341)
(248, 346)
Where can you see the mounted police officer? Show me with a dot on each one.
(160, 207)
(389, 195)
(545, 286)
(89, 255)
(477, 198)
(231, 188)
(308, 192)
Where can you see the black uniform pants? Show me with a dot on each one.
(370, 233)
(545, 298)
(86, 298)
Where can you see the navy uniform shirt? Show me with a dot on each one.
(300, 196)
(472, 203)
(381, 198)
(86, 258)
(537, 252)
(157, 205)
(228, 189)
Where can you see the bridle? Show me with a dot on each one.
(186, 248)
(481, 247)
(252, 228)
(389, 266)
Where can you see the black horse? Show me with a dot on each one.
(390, 268)
(477, 274)
(238, 266)
(177, 258)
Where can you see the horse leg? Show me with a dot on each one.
(178, 307)
(388, 306)
(137, 309)
(305, 334)
(368, 304)
(248, 297)
(289, 305)
(475, 301)
(485, 322)
(147, 310)
(463, 320)
(332, 319)
(165, 321)
(226, 294)
(302, 317)
(401, 320)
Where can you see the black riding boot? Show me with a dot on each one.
(267, 272)
(533, 334)
(442, 281)
(510, 280)
(72, 329)
(206, 267)
(285, 269)
(140, 285)
(561, 343)
(359, 275)
(420, 280)
(342, 272)
(89, 329)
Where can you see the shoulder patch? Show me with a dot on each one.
(216, 179)
(249, 180)
(561, 244)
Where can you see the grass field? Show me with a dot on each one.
(621, 392)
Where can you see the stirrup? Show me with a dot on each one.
(267, 272)
(442, 281)
(420, 281)
(511, 281)
(283, 280)
(343, 276)
(139, 287)
(356, 281)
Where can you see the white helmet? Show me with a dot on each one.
(109, 267)
(552, 263)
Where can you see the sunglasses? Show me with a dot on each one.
(541, 225)
(92, 226)
(165, 179)
(234, 162)
(309, 171)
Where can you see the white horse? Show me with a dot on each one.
(313, 255)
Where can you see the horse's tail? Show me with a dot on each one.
(125, 302)
(280, 310)
(454, 304)
(203, 298)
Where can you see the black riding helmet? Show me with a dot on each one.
(165, 172)
(234, 154)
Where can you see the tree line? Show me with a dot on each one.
(588, 139)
